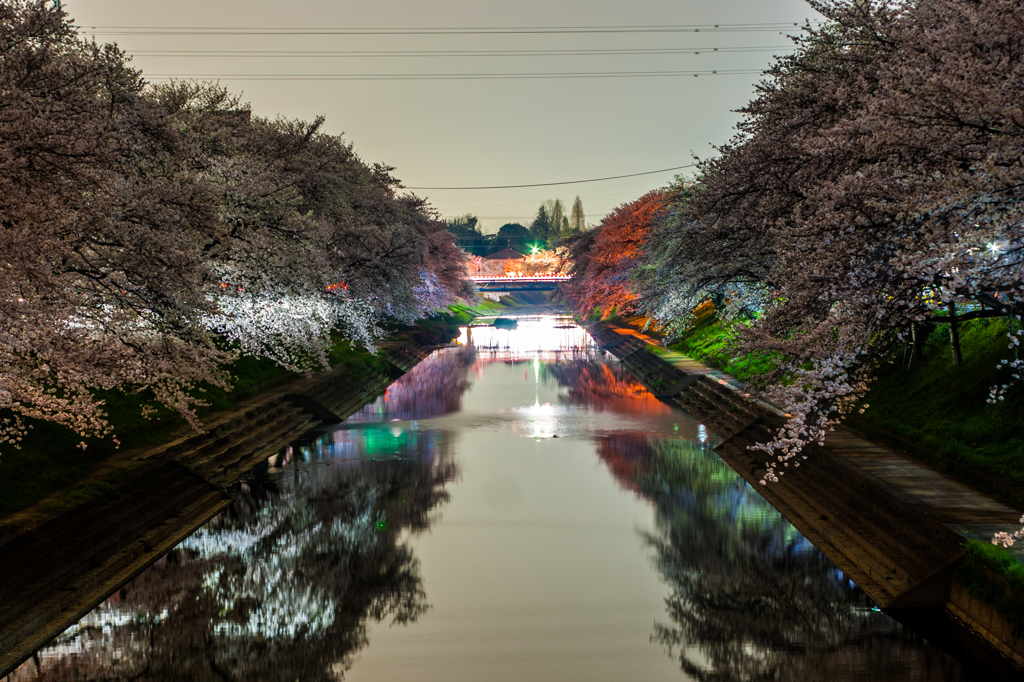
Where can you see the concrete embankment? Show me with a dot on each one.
(893, 525)
(59, 570)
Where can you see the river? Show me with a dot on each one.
(517, 508)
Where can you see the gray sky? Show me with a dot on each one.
(456, 133)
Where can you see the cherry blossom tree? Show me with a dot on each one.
(602, 260)
(101, 282)
(873, 186)
(151, 233)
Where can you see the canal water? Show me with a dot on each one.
(517, 508)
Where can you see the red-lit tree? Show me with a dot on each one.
(603, 259)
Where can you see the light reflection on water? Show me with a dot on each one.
(521, 509)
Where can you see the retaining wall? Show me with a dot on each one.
(58, 571)
(899, 544)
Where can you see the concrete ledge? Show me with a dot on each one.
(982, 618)
(141, 523)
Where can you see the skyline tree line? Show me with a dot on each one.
(549, 228)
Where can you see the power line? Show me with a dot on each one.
(447, 30)
(469, 208)
(449, 76)
(568, 182)
(452, 28)
(453, 53)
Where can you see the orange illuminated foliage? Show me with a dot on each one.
(604, 258)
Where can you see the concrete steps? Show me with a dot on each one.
(899, 554)
(864, 531)
(61, 570)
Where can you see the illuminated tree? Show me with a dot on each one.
(103, 279)
(604, 259)
(874, 184)
(144, 227)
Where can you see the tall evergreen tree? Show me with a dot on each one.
(559, 223)
(577, 221)
(540, 229)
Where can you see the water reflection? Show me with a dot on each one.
(279, 587)
(546, 337)
(432, 388)
(751, 598)
(585, 511)
(606, 385)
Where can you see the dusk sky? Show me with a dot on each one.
(458, 132)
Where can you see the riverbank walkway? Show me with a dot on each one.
(893, 524)
(966, 511)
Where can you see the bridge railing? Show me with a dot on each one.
(524, 278)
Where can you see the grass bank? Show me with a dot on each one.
(993, 575)
(931, 409)
(941, 411)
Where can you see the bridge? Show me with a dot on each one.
(511, 284)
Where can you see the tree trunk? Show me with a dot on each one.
(954, 335)
(917, 341)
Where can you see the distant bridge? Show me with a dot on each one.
(510, 284)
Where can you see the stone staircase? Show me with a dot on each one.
(230, 448)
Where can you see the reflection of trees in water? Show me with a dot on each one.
(433, 387)
(604, 384)
(751, 599)
(436, 385)
(279, 587)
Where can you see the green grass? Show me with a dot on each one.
(986, 572)
(943, 408)
(941, 412)
(51, 460)
(934, 410)
(713, 343)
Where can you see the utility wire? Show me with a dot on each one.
(567, 182)
(447, 76)
(448, 30)
(453, 53)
